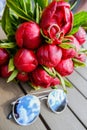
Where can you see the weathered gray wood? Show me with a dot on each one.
(8, 93)
(83, 72)
(79, 82)
(38, 92)
(63, 121)
(78, 104)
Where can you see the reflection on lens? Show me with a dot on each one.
(57, 100)
(26, 109)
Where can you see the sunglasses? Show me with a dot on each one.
(26, 109)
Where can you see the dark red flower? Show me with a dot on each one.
(81, 35)
(65, 67)
(81, 57)
(25, 60)
(28, 35)
(49, 55)
(4, 71)
(22, 76)
(55, 81)
(57, 20)
(40, 77)
(71, 52)
(4, 56)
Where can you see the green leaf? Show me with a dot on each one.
(37, 13)
(78, 63)
(62, 82)
(12, 76)
(0, 22)
(79, 19)
(66, 45)
(23, 5)
(50, 72)
(7, 45)
(20, 12)
(42, 3)
(68, 84)
(6, 22)
(11, 65)
(73, 5)
(83, 50)
(74, 30)
(30, 6)
(84, 25)
(33, 86)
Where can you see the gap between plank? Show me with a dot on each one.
(77, 117)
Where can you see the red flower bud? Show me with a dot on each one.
(56, 20)
(49, 55)
(22, 76)
(55, 81)
(81, 35)
(4, 71)
(25, 60)
(71, 52)
(65, 67)
(28, 35)
(81, 57)
(4, 56)
(40, 77)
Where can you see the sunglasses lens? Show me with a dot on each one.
(57, 100)
(26, 110)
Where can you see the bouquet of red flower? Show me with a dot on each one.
(44, 42)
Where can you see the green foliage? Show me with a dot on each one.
(12, 76)
(78, 63)
(79, 19)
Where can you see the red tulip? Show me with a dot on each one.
(65, 67)
(81, 35)
(22, 76)
(71, 52)
(4, 71)
(4, 56)
(25, 60)
(28, 35)
(56, 20)
(49, 55)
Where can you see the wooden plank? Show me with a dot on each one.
(83, 72)
(78, 104)
(38, 92)
(63, 121)
(78, 82)
(8, 93)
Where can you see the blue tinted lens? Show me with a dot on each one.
(57, 100)
(26, 109)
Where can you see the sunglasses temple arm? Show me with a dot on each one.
(10, 116)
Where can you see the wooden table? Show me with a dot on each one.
(73, 118)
